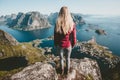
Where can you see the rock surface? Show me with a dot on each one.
(100, 53)
(10, 47)
(77, 18)
(107, 61)
(38, 71)
(5, 38)
(29, 21)
(100, 32)
(35, 20)
(82, 69)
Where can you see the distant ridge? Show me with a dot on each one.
(29, 21)
(35, 20)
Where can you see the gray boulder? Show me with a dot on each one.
(100, 32)
(81, 69)
(84, 69)
(38, 71)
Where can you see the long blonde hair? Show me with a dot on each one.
(64, 22)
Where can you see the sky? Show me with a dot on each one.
(95, 7)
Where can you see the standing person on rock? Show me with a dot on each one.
(64, 37)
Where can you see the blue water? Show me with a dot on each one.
(26, 36)
(110, 25)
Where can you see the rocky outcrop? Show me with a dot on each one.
(93, 50)
(100, 53)
(108, 62)
(82, 69)
(100, 32)
(38, 71)
(14, 55)
(96, 29)
(29, 21)
(5, 38)
(106, 59)
(77, 18)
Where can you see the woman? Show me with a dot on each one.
(64, 37)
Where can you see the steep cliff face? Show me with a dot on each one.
(77, 18)
(35, 20)
(82, 69)
(29, 21)
(5, 38)
(14, 55)
(10, 47)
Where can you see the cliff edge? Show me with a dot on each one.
(81, 69)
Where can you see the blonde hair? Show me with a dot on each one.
(64, 22)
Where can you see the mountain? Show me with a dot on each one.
(29, 21)
(10, 47)
(14, 55)
(5, 38)
(77, 18)
(35, 20)
(108, 62)
(81, 69)
(7, 18)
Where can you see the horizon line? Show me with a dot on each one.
(58, 12)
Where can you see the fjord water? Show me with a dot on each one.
(26, 36)
(110, 24)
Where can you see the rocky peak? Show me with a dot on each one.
(81, 69)
(77, 18)
(29, 21)
(5, 38)
(35, 20)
